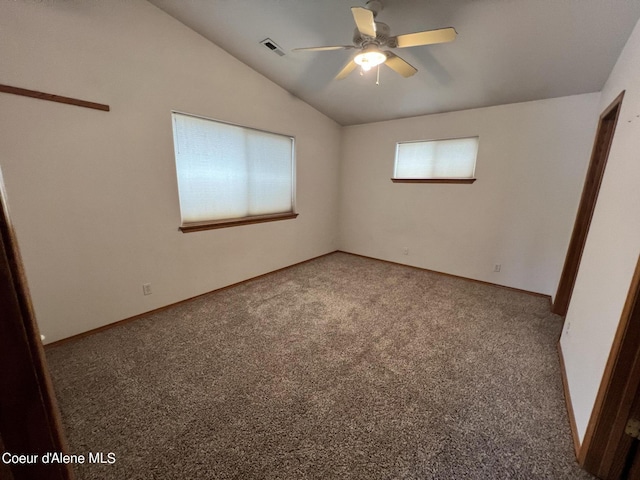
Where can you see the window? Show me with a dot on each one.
(436, 161)
(230, 175)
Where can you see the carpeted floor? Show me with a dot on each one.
(342, 367)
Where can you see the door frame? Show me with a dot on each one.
(599, 155)
(30, 421)
(605, 447)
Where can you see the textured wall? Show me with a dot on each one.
(612, 247)
(93, 195)
(519, 213)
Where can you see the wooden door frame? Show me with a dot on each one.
(599, 155)
(29, 418)
(605, 446)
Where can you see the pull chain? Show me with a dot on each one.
(378, 76)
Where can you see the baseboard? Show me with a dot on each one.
(160, 309)
(567, 399)
(482, 282)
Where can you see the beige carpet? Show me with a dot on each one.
(342, 367)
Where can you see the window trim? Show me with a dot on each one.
(458, 180)
(233, 222)
(434, 180)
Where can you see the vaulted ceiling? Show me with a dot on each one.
(506, 51)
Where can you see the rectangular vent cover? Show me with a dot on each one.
(273, 46)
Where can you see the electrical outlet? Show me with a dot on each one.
(497, 267)
(146, 288)
(405, 251)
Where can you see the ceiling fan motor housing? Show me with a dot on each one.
(382, 38)
(371, 37)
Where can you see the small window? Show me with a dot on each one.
(436, 161)
(230, 175)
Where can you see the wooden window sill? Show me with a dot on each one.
(234, 222)
(433, 180)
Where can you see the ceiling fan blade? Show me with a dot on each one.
(429, 37)
(322, 49)
(347, 69)
(399, 65)
(364, 21)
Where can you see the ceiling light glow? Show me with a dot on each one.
(370, 58)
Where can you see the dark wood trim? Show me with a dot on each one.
(482, 282)
(595, 173)
(171, 305)
(433, 180)
(53, 98)
(235, 222)
(569, 403)
(617, 390)
(30, 421)
(160, 309)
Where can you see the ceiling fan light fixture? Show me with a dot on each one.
(373, 40)
(369, 58)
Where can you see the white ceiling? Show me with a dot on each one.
(507, 50)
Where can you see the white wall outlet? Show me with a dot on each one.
(497, 267)
(405, 251)
(146, 288)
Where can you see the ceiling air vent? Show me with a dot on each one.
(273, 46)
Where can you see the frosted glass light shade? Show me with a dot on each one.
(370, 58)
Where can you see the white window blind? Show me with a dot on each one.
(436, 159)
(227, 172)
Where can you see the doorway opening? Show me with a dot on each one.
(593, 180)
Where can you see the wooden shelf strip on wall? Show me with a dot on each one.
(53, 98)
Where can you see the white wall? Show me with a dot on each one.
(612, 247)
(93, 195)
(519, 213)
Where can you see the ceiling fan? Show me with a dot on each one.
(370, 37)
